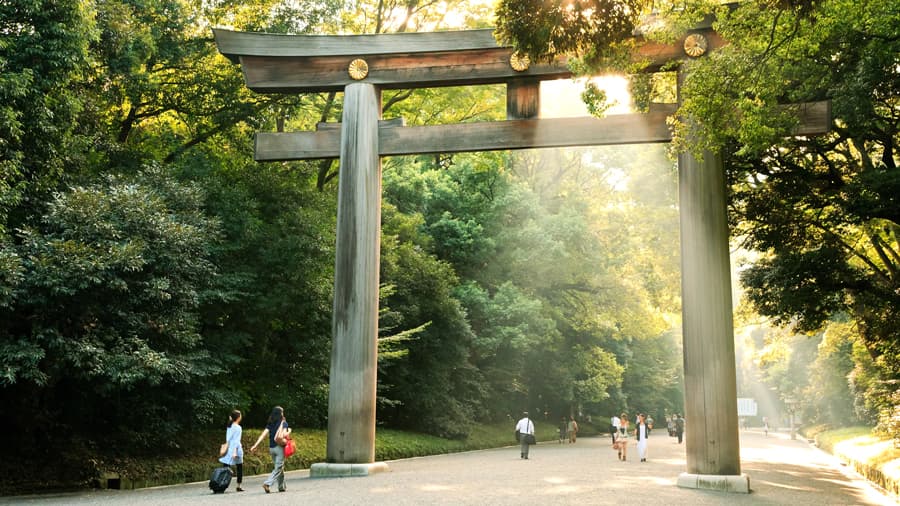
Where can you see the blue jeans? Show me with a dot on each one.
(277, 453)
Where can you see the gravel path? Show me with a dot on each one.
(781, 471)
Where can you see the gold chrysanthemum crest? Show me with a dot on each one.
(695, 45)
(519, 61)
(358, 69)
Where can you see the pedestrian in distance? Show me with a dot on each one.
(525, 431)
(572, 430)
(276, 429)
(641, 433)
(679, 427)
(563, 428)
(234, 455)
(621, 440)
(649, 421)
(613, 427)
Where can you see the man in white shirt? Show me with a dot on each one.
(525, 427)
(614, 427)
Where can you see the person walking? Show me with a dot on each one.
(613, 427)
(563, 428)
(234, 455)
(572, 430)
(641, 433)
(525, 428)
(679, 427)
(277, 429)
(621, 444)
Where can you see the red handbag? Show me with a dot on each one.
(289, 446)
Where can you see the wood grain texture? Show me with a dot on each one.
(523, 99)
(234, 44)
(293, 74)
(710, 393)
(274, 63)
(481, 136)
(354, 351)
(814, 118)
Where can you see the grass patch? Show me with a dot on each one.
(872, 456)
(826, 439)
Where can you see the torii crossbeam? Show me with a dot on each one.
(361, 66)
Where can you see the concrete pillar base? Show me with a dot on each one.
(333, 470)
(736, 484)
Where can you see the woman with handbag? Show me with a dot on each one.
(233, 454)
(278, 431)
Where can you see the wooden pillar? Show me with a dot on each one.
(351, 400)
(710, 392)
(523, 99)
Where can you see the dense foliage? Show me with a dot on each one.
(823, 211)
(587, 28)
(103, 300)
(43, 49)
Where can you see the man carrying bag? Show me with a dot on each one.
(525, 434)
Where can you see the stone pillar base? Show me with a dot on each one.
(736, 484)
(332, 470)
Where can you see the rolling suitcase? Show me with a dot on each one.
(220, 479)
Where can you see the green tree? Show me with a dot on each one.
(276, 265)
(104, 303)
(829, 389)
(508, 326)
(551, 285)
(43, 50)
(159, 86)
(652, 379)
(161, 91)
(546, 29)
(828, 376)
(433, 388)
(823, 209)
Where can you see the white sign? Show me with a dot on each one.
(746, 406)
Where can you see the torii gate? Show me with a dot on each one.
(361, 66)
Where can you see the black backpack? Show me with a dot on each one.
(220, 479)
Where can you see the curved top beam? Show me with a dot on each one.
(275, 63)
(236, 44)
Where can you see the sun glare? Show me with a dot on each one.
(562, 98)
